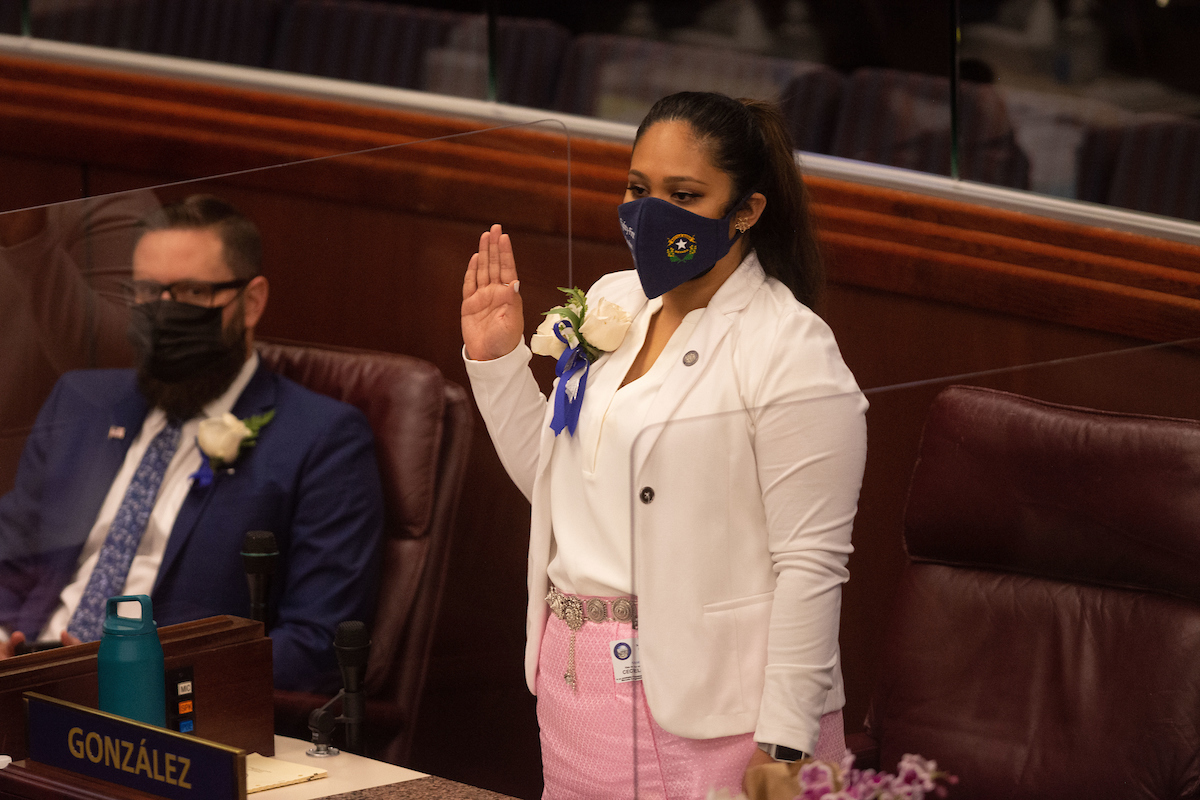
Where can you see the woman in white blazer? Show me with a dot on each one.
(692, 503)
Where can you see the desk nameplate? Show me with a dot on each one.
(153, 760)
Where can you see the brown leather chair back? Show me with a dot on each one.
(422, 426)
(1045, 641)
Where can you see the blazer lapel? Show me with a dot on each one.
(258, 397)
(125, 423)
(711, 329)
(101, 459)
(714, 325)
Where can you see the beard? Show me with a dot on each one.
(186, 398)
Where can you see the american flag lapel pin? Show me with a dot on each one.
(116, 432)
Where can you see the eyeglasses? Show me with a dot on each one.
(193, 293)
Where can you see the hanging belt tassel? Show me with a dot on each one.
(570, 610)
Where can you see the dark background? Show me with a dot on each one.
(1144, 39)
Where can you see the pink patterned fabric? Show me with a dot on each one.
(831, 741)
(590, 734)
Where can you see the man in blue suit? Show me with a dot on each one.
(237, 448)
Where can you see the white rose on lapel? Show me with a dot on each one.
(588, 334)
(590, 330)
(605, 325)
(220, 438)
(544, 342)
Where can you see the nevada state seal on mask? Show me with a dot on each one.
(671, 245)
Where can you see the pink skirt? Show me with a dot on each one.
(600, 741)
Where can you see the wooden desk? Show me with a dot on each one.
(353, 777)
(350, 777)
(230, 657)
(430, 788)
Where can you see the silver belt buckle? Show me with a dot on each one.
(597, 610)
(622, 610)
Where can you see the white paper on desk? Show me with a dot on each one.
(269, 773)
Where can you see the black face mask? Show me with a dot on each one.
(177, 340)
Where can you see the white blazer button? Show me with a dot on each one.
(647, 494)
(690, 358)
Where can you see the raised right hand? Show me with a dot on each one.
(493, 320)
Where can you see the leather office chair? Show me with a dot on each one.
(1045, 640)
(810, 104)
(620, 77)
(902, 119)
(422, 427)
(529, 54)
(1158, 167)
(229, 31)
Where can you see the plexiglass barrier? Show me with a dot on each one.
(362, 250)
(762, 574)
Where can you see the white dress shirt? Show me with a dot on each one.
(171, 493)
(590, 470)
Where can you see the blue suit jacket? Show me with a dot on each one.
(312, 480)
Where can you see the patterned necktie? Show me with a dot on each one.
(124, 535)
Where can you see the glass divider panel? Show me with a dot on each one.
(362, 250)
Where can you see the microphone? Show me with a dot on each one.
(259, 552)
(352, 645)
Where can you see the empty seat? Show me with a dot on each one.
(528, 55)
(620, 77)
(902, 119)
(1044, 638)
(229, 31)
(361, 41)
(1158, 168)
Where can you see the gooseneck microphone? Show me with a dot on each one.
(352, 644)
(259, 553)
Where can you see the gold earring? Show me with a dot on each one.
(741, 225)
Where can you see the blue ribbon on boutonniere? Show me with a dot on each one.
(566, 406)
(203, 476)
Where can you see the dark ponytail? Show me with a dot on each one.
(748, 140)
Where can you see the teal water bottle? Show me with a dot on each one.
(130, 664)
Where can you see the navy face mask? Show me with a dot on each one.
(671, 245)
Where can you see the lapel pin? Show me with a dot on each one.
(116, 432)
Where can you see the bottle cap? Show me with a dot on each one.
(129, 626)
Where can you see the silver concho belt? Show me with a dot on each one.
(575, 611)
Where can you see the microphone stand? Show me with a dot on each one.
(352, 645)
(322, 722)
(354, 706)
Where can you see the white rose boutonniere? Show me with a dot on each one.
(577, 336)
(544, 342)
(596, 330)
(222, 439)
(604, 326)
